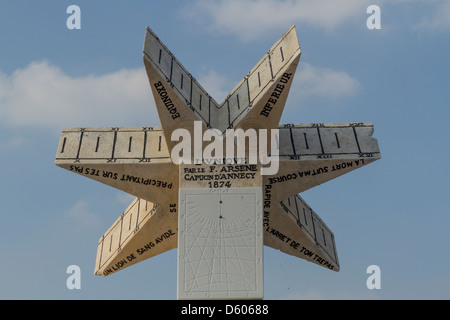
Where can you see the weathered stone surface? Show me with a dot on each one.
(218, 208)
(292, 227)
(135, 236)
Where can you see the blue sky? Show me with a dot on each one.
(393, 213)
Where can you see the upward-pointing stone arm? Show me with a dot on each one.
(269, 83)
(257, 101)
(179, 98)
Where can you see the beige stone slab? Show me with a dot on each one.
(179, 98)
(156, 146)
(268, 104)
(292, 227)
(219, 116)
(142, 144)
(313, 154)
(100, 143)
(269, 83)
(129, 144)
(201, 102)
(134, 160)
(238, 103)
(172, 109)
(285, 49)
(141, 232)
(260, 77)
(304, 141)
(156, 51)
(367, 143)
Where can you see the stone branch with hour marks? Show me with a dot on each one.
(312, 153)
(308, 155)
(220, 209)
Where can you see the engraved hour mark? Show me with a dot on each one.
(96, 146)
(129, 224)
(306, 140)
(64, 144)
(337, 140)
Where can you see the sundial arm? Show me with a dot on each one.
(142, 231)
(257, 101)
(310, 155)
(134, 160)
(269, 83)
(179, 98)
(292, 227)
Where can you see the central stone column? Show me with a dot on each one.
(220, 232)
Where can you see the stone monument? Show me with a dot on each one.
(201, 188)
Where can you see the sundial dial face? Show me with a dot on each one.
(218, 207)
(220, 247)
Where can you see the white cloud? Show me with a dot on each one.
(82, 216)
(250, 19)
(12, 143)
(440, 19)
(42, 95)
(253, 19)
(313, 81)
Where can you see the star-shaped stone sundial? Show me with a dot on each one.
(217, 208)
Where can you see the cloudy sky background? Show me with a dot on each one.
(393, 213)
